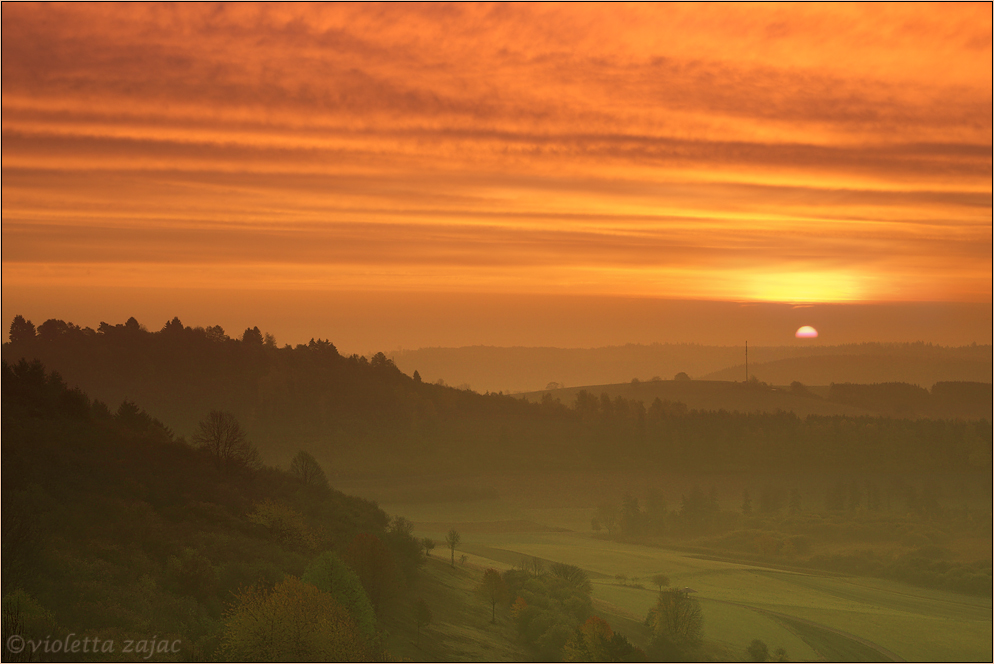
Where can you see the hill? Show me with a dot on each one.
(364, 417)
(946, 400)
(899, 366)
(115, 530)
(522, 369)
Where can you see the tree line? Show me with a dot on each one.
(310, 396)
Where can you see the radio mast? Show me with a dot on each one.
(747, 361)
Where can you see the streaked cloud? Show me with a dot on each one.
(670, 150)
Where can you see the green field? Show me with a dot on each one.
(813, 616)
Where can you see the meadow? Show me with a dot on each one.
(812, 615)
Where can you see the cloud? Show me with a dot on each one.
(509, 142)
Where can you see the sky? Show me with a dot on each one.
(409, 175)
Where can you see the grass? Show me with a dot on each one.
(813, 616)
(460, 630)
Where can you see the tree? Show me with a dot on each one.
(422, 617)
(452, 539)
(306, 469)
(226, 442)
(428, 544)
(660, 580)
(21, 330)
(595, 641)
(493, 589)
(758, 651)
(574, 577)
(54, 329)
(328, 573)
(292, 622)
(681, 376)
(607, 516)
(655, 511)
(252, 336)
(173, 327)
(589, 642)
(631, 516)
(405, 547)
(370, 558)
(677, 623)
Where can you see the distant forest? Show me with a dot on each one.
(364, 416)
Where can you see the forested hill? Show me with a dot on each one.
(364, 417)
(113, 528)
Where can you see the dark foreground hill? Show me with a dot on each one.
(116, 531)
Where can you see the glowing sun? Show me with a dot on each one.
(806, 332)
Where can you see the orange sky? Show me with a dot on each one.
(813, 153)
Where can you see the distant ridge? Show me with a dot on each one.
(923, 371)
(528, 369)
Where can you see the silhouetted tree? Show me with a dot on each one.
(660, 580)
(493, 589)
(252, 336)
(21, 330)
(681, 376)
(173, 327)
(306, 469)
(226, 442)
(428, 544)
(452, 539)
